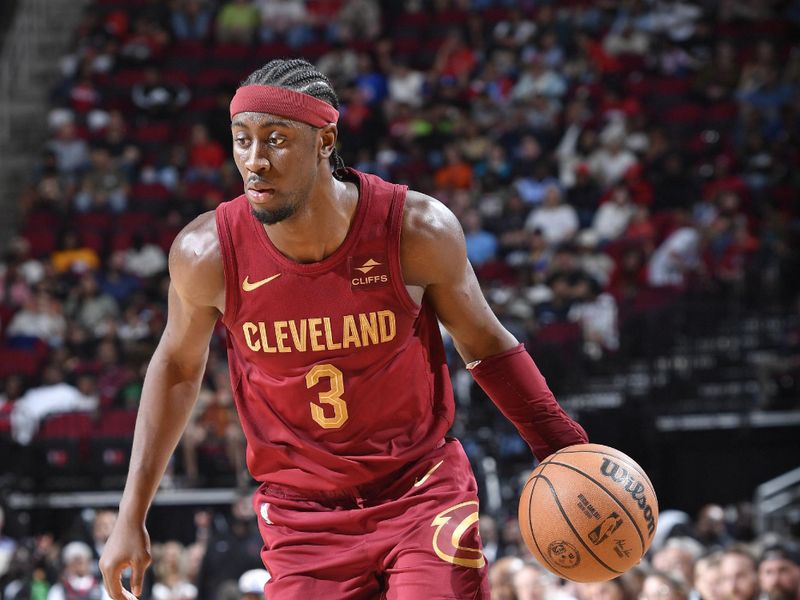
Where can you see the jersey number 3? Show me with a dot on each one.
(333, 396)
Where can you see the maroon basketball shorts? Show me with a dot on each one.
(410, 538)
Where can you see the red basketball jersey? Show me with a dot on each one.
(338, 376)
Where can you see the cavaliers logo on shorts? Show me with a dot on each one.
(455, 539)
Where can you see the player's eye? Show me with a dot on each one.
(242, 142)
(277, 141)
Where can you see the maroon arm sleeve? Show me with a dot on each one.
(514, 383)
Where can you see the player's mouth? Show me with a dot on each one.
(260, 194)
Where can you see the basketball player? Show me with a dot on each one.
(330, 286)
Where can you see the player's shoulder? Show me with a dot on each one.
(198, 240)
(427, 219)
(195, 258)
(431, 241)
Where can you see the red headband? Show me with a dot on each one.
(285, 103)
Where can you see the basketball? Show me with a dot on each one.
(588, 513)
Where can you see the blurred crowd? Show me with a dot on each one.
(605, 159)
(715, 556)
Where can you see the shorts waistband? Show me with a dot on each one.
(365, 491)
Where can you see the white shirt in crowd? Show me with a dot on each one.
(676, 256)
(612, 218)
(557, 223)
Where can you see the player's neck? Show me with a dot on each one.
(320, 226)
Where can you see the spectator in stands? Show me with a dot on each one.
(481, 244)
(144, 258)
(231, 550)
(191, 20)
(538, 79)
(41, 317)
(76, 579)
(102, 524)
(710, 528)
(626, 39)
(676, 258)
(285, 20)
(456, 173)
(531, 582)
(206, 156)
(214, 423)
(501, 577)
(405, 85)
(357, 20)
(251, 584)
(339, 64)
(88, 306)
(171, 583)
(718, 78)
(678, 556)
(556, 308)
(7, 545)
(514, 32)
(157, 98)
(591, 260)
(706, 577)
(454, 61)
(659, 585)
(609, 163)
(146, 43)
(237, 22)
(596, 313)
(738, 574)
(104, 185)
(613, 216)
(779, 572)
(557, 221)
(73, 257)
(71, 151)
(604, 590)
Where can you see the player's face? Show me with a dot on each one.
(779, 579)
(277, 159)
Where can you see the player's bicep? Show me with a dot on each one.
(192, 313)
(188, 330)
(461, 307)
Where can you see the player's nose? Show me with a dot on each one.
(256, 159)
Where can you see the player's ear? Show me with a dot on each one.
(327, 137)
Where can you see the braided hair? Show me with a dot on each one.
(300, 76)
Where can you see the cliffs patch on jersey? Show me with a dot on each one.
(368, 271)
(318, 334)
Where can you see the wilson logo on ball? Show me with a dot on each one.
(635, 488)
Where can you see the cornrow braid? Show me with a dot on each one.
(300, 76)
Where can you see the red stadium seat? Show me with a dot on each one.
(132, 222)
(18, 362)
(95, 220)
(153, 133)
(116, 423)
(74, 425)
(43, 241)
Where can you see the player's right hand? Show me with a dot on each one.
(128, 546)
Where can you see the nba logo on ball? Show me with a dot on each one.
(588, 513)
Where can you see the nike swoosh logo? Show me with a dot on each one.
(419, 482)
(249, 287)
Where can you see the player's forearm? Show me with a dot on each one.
(168, 395)
(515, 385)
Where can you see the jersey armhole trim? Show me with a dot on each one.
(228, 265)
(395, 266)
